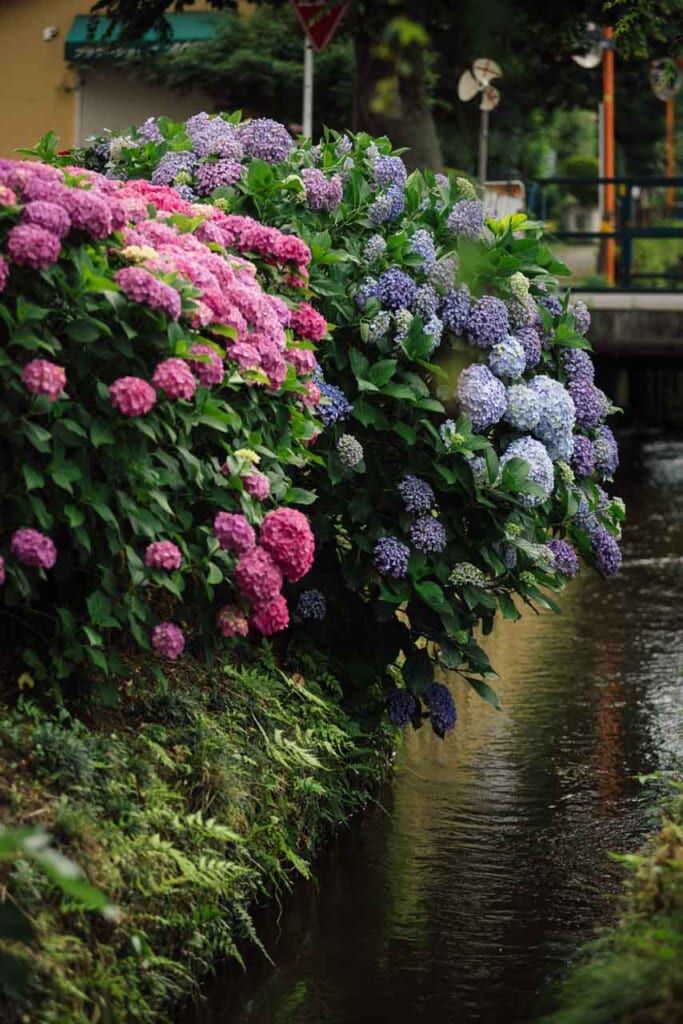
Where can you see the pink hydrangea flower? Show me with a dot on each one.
(281, 310)
(8, 196)
(132, 396)
(88, 211)
(231, 621)
(31, 547)
(210, 369)
(302, 359)
(31, 246)
(141, 286)
(175, 377)
(307, 322)
(272, 617)
(4, 273)
(42, 377)
(234, 532)
(312, 397)
(287, 536)
(258, 577)
(291, 249)
(50, 216)
(163, 554)
(245, 355)
(257, 485)
(2, 570)
(168, 640)
(275, 367)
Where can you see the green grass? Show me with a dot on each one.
(184, 806)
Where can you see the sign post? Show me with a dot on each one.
(319, 20)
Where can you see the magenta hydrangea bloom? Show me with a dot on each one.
(272, 617)
(47, 215)
(234, 532)
(88, 211)
(209, 369)
(257, 485)
(42, 377)
(132, 396)
(141, 286)
(258, 577)
(2, 570)
(30, 547)
(231, 621)
(168, 640)
(8, 196)
(286, 534)
(175, 377)
(303, 360)
(163, 554)
(31, 246)
(4, 273)
(307, 322)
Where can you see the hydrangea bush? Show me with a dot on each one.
(157, 396)
(461, 466)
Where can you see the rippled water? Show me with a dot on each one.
(466, 892)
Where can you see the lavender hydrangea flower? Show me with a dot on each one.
(455, 310)
(422, 243)
(590, 402)
(582, 317)
(389, 170)
(434, 328)
(380, 210)
(442, 273)
(583, 456)
(578, 365)
(265, 139)
(214, 175)
(552, 304)
(523, 408)
(428, 534)
(367, 290)
(186, 192)
(540, 468)
(487, 323)
(396, 289)
(566, 560)
(374, 248)
(321, 193)
(171, 165)
(391, 557)
(397, 201)
(442, 713)
(557, 418)
(481, 395)
(417, 494)
(311, 606)
(379, 326)
(343, 147)
(334, 405)
(530, 340)
(606, 452)
(605, 552)
(507, 359)
(350, 450)
(466, 219)
(401, 707)
(149, 130)
(426, 301)
(212, 136)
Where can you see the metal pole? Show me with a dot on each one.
(601, 160)
(670, 155)
(610, 192)
(307, 117)
(483, 147)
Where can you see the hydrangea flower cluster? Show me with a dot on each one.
(311, 606)
(401, 707)
(540, 467)
(350, 451)
(43, 377)
(322, 193)
(442, 713)
(466, 219)
(31, 547)
(482, 396)
(417, 494)
(391, 557)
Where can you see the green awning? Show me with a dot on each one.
(83, 44)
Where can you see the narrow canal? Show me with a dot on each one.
(462, 896)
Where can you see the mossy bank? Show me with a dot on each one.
(184, 805)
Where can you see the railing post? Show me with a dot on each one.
(627, 240)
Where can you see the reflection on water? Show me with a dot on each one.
(466, 893)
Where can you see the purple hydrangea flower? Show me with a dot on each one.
(46, 215)
(168, 640)
(583, 456)
(466, 219)
(374, 248)
(456, 308)
(566, 560)
(141, 286)
(369, 289)
(605, 552)
(523, 408)
(426, 301)
(265, 139)
(171, 165)
(442, 713)
(334, 405)
(417, 494)
(578, 365)
(321, 193)
(530, 340)
(422, 243)
(557, 418)
(540, 468)
(582, 317)
(379, 326)
(397, 201)
(552, 304)
(434, 328)
(401, 707)
(606, 452)
(487, 323)
(391, 557)
(149, 130)
(428, 534)
(590, 402)
(482, 396)
(380, 210)
(507, 358)
(212, 136)
(311, 606)
(186, 192)
(214, 175)
(388, 171)
(396, 289)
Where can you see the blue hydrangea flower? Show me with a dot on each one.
(557, 418)
(417, 494)
(540, 467)
(368, 290)
(583, 456)
(401, 707)
(265, 139)
(442, 713)
(605, 552)
(428, 534)
(396, 289)
(374, 248)
(589, 401)
(530, 340)
(524, 314)
(466, 219)
(582, 317)
(149, 130)
(552, 304)
(606, 453)
(426, 301)
(343, 147)
(422, 243)
(379, 326)
(442, 273)
(186, 192)
(455, 309)
(311, 606)
(171, 165)
(509, 556)
(578, 365)
(487, 323)
(481, 395)
(566, 559)
(523, 408)
(389, 170)
(212, 136)
(391, 557)
(507, 358)
(334, 405)
(434, 328)
(350, 450)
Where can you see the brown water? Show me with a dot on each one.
(465, 894)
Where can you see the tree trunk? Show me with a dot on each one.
(387, 102)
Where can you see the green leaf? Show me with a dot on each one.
(418, 671)
(432, 595)
(33, 479)
(382, 372)
(100, 434)
(300, 496)
(485, 691)
(83, 331)
(508, 607)
(214, 576)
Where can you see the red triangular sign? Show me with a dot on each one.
(319, 20)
